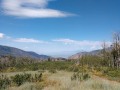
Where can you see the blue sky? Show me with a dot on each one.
(58, 27)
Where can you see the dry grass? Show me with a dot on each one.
(14, 73)
(95, 83)
(62, 81)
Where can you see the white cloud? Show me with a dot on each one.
(31, 9)
(28, 40)
(66, 41)
(85, 43)
(1, 35)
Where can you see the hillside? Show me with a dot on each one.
(78, 55)
(94, 52)
(6, 50)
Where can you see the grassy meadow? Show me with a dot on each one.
(89, 74)
(61, 80)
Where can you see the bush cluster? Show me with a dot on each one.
(4, 82)
(19, 79)
(80, 76)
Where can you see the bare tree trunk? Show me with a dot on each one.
(116, 49)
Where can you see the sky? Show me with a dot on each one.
(58, 28)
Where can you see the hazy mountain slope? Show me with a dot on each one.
(78, 55)
(94, 52)
(5, 50)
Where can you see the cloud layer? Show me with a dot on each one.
(31, 9)
(84, 43)
(28, 40)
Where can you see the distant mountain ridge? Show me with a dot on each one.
(94, 52)
(6, 50)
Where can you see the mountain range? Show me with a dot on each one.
(6, 50)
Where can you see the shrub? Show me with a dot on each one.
(4, 82)
(19, 79)
(52, 71)
(79, 76)
(38, 77)
(35, 67)
(86, 76)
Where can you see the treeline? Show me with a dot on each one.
(49, 65)
(14, 64)
(10, 61)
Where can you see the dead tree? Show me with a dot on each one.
(116, 49)
(106, 54)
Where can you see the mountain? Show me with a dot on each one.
(6, 50)
(94, 52)
(78, 55)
